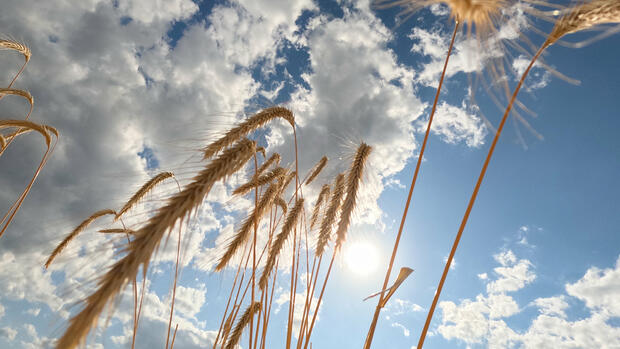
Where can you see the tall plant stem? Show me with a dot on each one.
(474, 195)
(373, 325)
(291, 304)
(254, 244)
(174, 288)
(318, 303)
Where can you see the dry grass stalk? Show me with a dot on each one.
(257, 120)
(275, 158)
(280, 202)
(585, 16)
(354, 178)
(148, 238)
(330, 215)
(288, 180)
(278, 243)
(2, 142)
(118, 231)
(323, 194)
(317, 169)
(75, 233)
(260, 181)
(17, 46)
(146, 188)
(266, 201)
(248, 314)
(17, 92)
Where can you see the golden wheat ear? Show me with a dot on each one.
(257, 120)
(330, 215)
(248, 314)
(586, 16)
(117, 231)
(242, 235)
(354, 178)
(16, 46)
(148, 238)
(259, 181)
(75, 233)
(323, 194)
(274, 158)
(317, 169)
(145, 189)
(278, 243)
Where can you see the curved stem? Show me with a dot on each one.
(473, 197)
(375, 318)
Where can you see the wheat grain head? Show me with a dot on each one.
(323, 194)
(317, 169)
(330, 215)
(354, 178)
(147, 187)
(585, 16)
(278, 243)
(260, 181)
(257, 120)
(248, 314)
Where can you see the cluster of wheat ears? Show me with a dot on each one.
(285, 217)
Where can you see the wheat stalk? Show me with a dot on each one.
(248, 314)
(75, 233)
(353, 180)
(259, 181)
(148, 238)
(244, 232)
(147, 187)
(251, 124)
(323, 194)
(278, 243)
(330, 215)
(317, 169)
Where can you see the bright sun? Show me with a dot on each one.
(361, 257)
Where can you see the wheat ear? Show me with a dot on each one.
(75, 233)
(248, 314)
(278, 243)
(117, 231)
(323, 194)
(147, 187)
(17, 46)
(29, 125)
(148, 238)
(251, 124)
(585, 16)
(353, 180)
(280, 202)
(260, 181)
(274, 158)
(244, 232)
(317, 169)
(2, 142)
(330, 215)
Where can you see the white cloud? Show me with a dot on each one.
(455, 124)
(399, 306)
(406, 331)
(514, 275)
(480, 320)
(163, 10)
(8, 333)
(1, 311)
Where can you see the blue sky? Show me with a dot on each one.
(137, 87)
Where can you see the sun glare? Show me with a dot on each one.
(361, 257)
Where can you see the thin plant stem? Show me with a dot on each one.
(375, 318)
(291, 307)
(318, 304)
(174, 288)
(473, 198)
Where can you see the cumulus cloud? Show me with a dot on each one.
(8, 333)
(481, 320)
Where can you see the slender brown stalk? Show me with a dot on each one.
(118, 231)
(317, 169)
(375, 318)
(75, 233)
(174, 336)
(323, 194)
(257, 120)
(278, 243)
(174, 289)
(354, 178)
(242, 323)
(318, 303)
(146, 188)
(148, 238)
